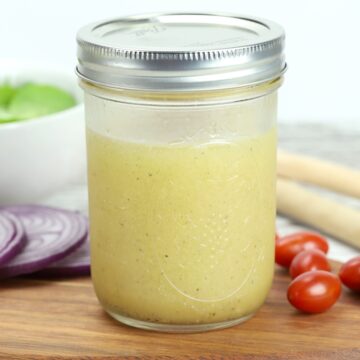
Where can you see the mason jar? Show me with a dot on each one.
(181, 142)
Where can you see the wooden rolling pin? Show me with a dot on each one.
(325, 174)
(324, 214)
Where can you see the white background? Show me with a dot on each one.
(323, 43)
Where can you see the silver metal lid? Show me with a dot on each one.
(180, 52)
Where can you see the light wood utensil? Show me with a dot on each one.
(324, 214)
(319, 172)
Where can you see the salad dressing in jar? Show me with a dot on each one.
(181, 136)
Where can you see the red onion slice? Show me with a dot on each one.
(51, 235)
(12, 237)
(75, 264)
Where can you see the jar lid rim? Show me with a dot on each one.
(180, 51)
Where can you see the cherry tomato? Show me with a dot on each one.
(287, 247)
(314, 291)
(350, 274)
(309, 260)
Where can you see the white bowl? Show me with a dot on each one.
(42, 155)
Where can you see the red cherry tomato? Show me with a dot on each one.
(309, 260)
(350, 274)
(287, 247)
(314, 291)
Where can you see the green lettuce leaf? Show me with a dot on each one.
(34, 100)
(6, 94)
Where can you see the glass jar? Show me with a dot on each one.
(181, 135)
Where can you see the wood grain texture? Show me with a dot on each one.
(61, 319)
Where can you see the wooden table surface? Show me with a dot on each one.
(62, 319)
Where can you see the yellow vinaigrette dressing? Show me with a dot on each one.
(182, 234)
